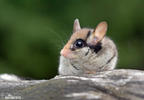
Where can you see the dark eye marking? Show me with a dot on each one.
(88, 34)
(79, 43)
(97, 47)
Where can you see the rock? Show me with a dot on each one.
(119, 84)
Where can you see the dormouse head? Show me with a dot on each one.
(84, 38)
(87, 51)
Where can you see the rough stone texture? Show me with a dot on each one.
(109, 85)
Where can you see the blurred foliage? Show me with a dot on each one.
(32, 32)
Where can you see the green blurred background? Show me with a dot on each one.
(32, 32)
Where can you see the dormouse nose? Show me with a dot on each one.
(65, 52)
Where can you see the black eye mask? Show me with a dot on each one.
(96, 48)
(80, 43)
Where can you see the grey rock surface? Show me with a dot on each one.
(119, 84)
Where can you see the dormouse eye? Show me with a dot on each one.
(79, 43)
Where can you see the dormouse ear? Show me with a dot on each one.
(98, 33)
(100, 30)
(76, 25)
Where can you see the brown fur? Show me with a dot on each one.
(85, 60)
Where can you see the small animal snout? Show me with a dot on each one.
(66, 53)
